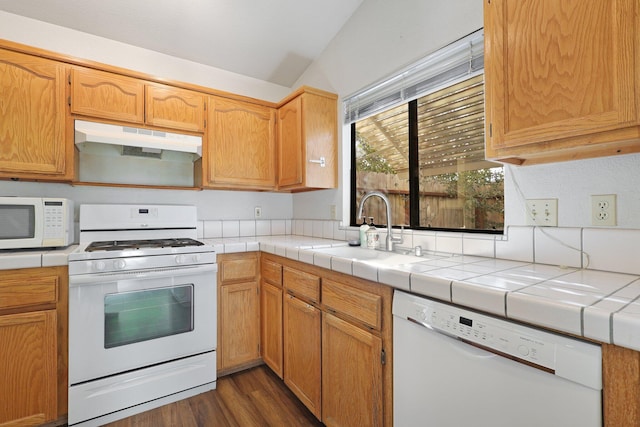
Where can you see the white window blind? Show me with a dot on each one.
(452, 63)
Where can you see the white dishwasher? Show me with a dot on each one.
(456, 368)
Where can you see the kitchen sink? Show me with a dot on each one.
(369, 256)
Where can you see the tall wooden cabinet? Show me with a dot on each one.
(33, 137)
(307, 141)
(238, 312)
(562, 79)
(33, 354)
(241, 145)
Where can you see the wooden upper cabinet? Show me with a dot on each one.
(107, 95)
(32, 119)
(241, 141)
(175, 108)
(561, 79)
(307, 141)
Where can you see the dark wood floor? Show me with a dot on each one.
(255, 397)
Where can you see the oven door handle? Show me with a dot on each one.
(99, 278)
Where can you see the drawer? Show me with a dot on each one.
(360, 305)
(238, 268)
(271, 272)
(26, 291)
(301, 284)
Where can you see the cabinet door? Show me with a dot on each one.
(175, 108)
(28, 372)
(32, 119)
(271, 326)
(320, 134)
(241, 144)
(308, 142)
(302, 363)
(290, 147)
(107, 95)
(557, 69)
(351, 375)
(239, 337)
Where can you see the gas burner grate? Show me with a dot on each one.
(118, 245)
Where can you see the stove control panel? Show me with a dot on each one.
(133, 263)
(188, 259)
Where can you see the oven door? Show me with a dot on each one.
(124, 321)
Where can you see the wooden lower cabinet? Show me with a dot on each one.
(240, 339)
(28, 371)
(238, 312)
(271, 326)
(351, 374)
(33, 346)
(302, 352)
(337, 342)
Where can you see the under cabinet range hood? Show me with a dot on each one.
(135, 141)
(112, 154)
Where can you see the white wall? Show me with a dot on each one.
(211, 204)
(382, 37)
(86, 46)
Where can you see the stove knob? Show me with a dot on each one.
(196, 258)
(119, 264)
(99, 265)
(179, 259)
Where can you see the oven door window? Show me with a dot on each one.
(131, 317)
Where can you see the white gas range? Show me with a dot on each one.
(142, 311)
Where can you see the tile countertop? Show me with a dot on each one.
(599, 305)
(34, 258)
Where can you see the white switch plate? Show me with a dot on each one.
(542, 212)
(603, 209)
(257, 213)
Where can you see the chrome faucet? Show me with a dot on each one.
(390, 239)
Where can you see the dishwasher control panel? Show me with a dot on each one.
(486, 332)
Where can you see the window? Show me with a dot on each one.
(421, 142)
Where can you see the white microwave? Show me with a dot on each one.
(35, 222)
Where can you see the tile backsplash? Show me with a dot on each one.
(605, 249)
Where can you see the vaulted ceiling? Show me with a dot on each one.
(271, 40)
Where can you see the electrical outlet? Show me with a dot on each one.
(257, 213)
(603, 209)
(543, 212)
(332, 212)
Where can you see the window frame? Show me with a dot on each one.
(414, 178)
